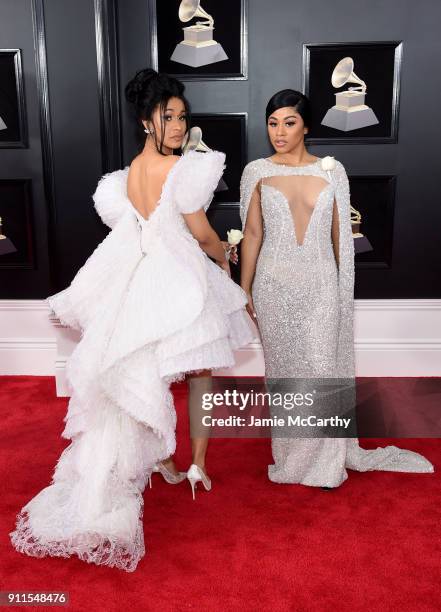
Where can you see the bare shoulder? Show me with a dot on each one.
(164, 160)
(165, 163)
(135, 165)
(157, 166)
(171, 160)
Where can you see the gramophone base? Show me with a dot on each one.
(345, 121)
(362, 244)
(6, 247)
(222, 186)
(198, 56)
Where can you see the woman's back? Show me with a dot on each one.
(147, 175)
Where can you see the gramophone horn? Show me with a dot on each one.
(194, 142)
(344, 73)
(355, 215)
(191, 8)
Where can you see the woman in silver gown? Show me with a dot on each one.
(298, 271)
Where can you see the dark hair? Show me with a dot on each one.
(290, 97)
(149, 88)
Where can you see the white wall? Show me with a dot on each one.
(392, 338)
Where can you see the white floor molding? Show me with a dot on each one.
(392, 338)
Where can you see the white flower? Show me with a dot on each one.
(328, 163)
(234, 237)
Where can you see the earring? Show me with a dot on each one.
(147, 131)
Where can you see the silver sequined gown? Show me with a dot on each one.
(304, 307)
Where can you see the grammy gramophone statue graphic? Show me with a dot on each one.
(361, 243)
(193, 142)
(350, 111)
(6, 245)
(198, 47)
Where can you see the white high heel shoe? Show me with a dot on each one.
(167, 475)
(195, 474)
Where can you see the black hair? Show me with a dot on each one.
(148, 89)
(290, 97)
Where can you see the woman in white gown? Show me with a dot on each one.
(298, 272)
(151, 306)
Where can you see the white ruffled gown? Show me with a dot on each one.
(151, 307)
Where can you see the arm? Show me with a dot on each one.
(251, 244)
(209, 241)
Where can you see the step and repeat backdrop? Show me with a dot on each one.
(370, 76)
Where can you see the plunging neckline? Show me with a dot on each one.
(285, 199)
(141, 217)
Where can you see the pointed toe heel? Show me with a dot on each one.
(193, 485)
(168, 476)
(194, 475)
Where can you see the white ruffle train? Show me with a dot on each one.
(151, 307)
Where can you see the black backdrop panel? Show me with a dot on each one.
(16, 214)
(406, 261)
(227, 17)
(226, 133)
(11, 99)
(374, 198)
(375, 64)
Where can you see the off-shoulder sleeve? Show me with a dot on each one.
(196, 178)
(110, 197)
(250, 178)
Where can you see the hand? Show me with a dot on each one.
(231, 250)
(250, 308)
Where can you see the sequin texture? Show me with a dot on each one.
(304, 305)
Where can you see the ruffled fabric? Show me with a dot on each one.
(197, 177)
(151, 307)
(110, 197)
(221, 327)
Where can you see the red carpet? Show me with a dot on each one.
(249, 544)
